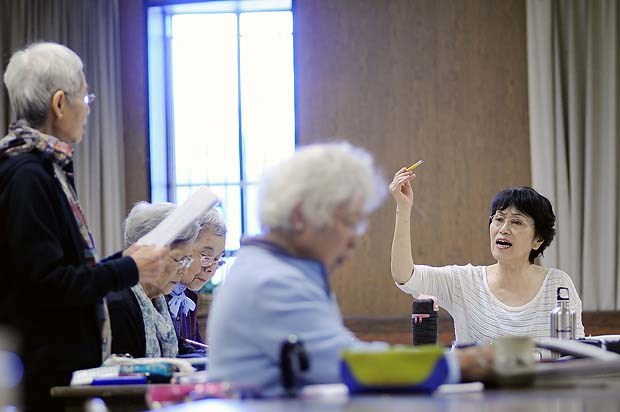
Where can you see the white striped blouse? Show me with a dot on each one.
(478, 315)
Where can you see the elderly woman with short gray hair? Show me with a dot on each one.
(313, 208)
(208, 252)
(280, 281)
(53, 287)
(141, 323)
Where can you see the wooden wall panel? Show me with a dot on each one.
(397, 330)
(135, 102)
(444, 81)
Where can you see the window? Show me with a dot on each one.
(221, 101)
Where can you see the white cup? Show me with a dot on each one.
(515, 359)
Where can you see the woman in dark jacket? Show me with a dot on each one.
(53, 289)
(141, 323)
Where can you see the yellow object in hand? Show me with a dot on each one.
(413, 166)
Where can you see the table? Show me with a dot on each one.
(592, 395)
(118, 398)
(573, 395)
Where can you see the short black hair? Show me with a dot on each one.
(533, 204)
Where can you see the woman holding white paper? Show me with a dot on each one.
(512, 296)
(141, 323)
(53, 286)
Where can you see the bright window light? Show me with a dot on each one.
(223, 105)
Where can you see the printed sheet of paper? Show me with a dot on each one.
(184, 215)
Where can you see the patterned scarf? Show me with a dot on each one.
(22, 139)
(161, 338)
(180, 301)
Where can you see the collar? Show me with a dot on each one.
(307, 265)
(178, 300)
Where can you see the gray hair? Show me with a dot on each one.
(35, 73)
(213, 222)
(320, 177)
(144, 216)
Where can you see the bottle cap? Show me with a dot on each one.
(562, 293)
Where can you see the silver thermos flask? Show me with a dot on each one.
(562, 317)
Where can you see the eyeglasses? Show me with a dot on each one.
(206, 261)
(89, 98)
(515, 223)
(183, 262)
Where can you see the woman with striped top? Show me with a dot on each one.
(512, 296)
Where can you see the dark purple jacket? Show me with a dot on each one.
(187, 327)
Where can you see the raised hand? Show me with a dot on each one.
(401, 189)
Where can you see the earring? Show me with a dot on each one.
(540, 243)
(298, 226)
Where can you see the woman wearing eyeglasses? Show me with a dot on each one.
(510, 297)
(141, 323)
(53, 286)
(207, 253)
(279, 284)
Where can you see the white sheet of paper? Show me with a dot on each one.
(576, 348)
(185, 214)
(86, 376)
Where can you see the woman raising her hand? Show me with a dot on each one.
(513, 296)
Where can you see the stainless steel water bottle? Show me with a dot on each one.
(562, 317)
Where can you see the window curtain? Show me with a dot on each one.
(574, 96)
(91, 29)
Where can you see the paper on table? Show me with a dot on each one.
(86, 376)
(576, 348)
(452, 388)
(184, 215)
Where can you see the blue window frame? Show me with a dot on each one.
(221, 101)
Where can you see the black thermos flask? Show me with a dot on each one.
(423, 322)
